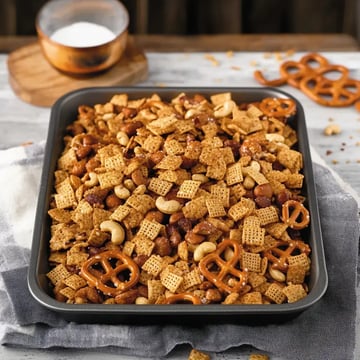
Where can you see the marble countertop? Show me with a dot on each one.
(22, 123)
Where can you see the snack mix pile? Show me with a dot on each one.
(193, 201)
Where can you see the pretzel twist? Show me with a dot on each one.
(278, 255)
(113, 263)
(278, 107)
(183, 298)
(295, 215)
(219, 271)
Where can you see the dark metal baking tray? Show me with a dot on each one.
(63, 112)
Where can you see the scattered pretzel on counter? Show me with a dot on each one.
(309, 74)
(188, 201)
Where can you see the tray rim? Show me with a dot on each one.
(75, 310)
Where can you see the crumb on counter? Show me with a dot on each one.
(332, 129)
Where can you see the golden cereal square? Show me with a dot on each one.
(143, 245)
(115, 162)
(301, 259)
(60, 215)
(234, 174)
(153, 265)
(253, 111)
(191, 279)
(214, 142)
(267, 215)
(110, 179)
(184, 126)
(97, 238)
(168, 175)
(75, 282)
(215, 207)
(208, 155)
(237, 191)
(256, 279)
(295, 181)
(219, 99)
(150, 229)
(133, 219)
(169, 162)
(238, 211)
(227, 155)
(77, 258)
(253, 235)
(163, 125)
(159, 186)
(275, 293)
(276, 229)
(128, 248)
(210, 130)
(57, 257)
(173, 147)
(291, 159)
(57, 274)
(188, 189)
(119, 99)
(217, 170)
(120, 213)
(65, 196)
(253, 297)
(142, 203)
(252, 221)
(294, 292)
(67, 160)
(195, 209)
(222, 193)
(251, 261)
(295, 274)
(68, 292)
(198, 355)
(171, 281)
(152, 143)
(100, 215)
(155, 290)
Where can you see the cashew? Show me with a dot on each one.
(255, 165)
(190, 113)
(121, 192)
(141, 300)
(204, 248)
(167, 206)
(277, 275)
(117, 231)
(93, 180)
(248, 183)
(228, 254)
(332, 129)
(129, 184)
(140, 190)
(224, 109)
(275, 138)
(200, 177)
(122, 138)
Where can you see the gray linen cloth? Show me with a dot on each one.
(324, 331)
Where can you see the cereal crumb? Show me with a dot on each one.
(212, 59)
(328, 152)
(332, 129)
(235, 67)
(258, 357)
(198, 355)
(230, 54)
(335, 161)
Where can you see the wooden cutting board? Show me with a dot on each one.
(35, 81)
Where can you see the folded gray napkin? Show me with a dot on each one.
(324, 331)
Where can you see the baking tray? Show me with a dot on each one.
(63, 112)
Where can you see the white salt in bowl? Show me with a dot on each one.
(84, 36)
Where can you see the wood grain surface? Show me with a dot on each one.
(35, 81)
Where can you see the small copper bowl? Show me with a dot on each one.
(78, 59)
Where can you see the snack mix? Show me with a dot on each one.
(193, 200)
